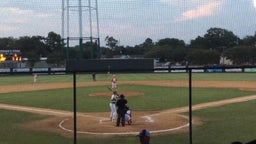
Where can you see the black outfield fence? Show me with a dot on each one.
(126, 67)
(111, 65)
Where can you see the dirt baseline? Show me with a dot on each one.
(94, 124)
(99, 124)
(141, 120)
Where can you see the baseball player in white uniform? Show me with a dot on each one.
(114, 83)
(112, 105)
(35, 77)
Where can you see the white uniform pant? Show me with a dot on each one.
(113, 111)
(114, 85)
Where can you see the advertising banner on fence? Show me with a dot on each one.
(198, 70)
(5, 70)
(40, 69)
(21, 70)
(250, 70)
(214, 70)
(234, 70)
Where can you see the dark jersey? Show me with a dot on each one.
(121, 103)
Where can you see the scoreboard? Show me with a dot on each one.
(10, 55)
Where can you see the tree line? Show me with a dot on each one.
(35, 47)
(203, 50)
(208, 49)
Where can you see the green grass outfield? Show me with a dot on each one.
(221, 125)
(28, 79)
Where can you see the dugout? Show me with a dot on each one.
(111, 65)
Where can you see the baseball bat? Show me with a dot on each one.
(110, 89)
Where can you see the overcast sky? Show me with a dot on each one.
(131, 21)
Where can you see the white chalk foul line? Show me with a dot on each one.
(124, 133)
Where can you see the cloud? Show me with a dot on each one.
(171, 2)
(15, 11)
(22, 20)
(254, 3)
(201, 11)
(8, 28)
(15, 15)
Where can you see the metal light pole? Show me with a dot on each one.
(78, 17)
(83, 9)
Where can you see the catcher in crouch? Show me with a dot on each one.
(128, 115)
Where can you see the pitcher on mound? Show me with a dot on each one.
(114, 83)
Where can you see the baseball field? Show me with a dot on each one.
(42, 112)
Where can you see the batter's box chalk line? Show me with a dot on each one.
(147, 119)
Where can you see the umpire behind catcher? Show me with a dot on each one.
(121, 110)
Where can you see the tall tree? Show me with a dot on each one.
(32, 48)
(168, 49)
(241, 55)
(162, 53)
(106, 52)
(249, 41)
(148, 43)
(179, 55)
(111, 42)
(218, 38)
(199, 43)
(53, 42)
(173, 42)
(8, 43)
(203, 57)
(54, 45)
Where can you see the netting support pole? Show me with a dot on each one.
(74, 94)
(80, 20)
(98, 31)
(190, 106)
